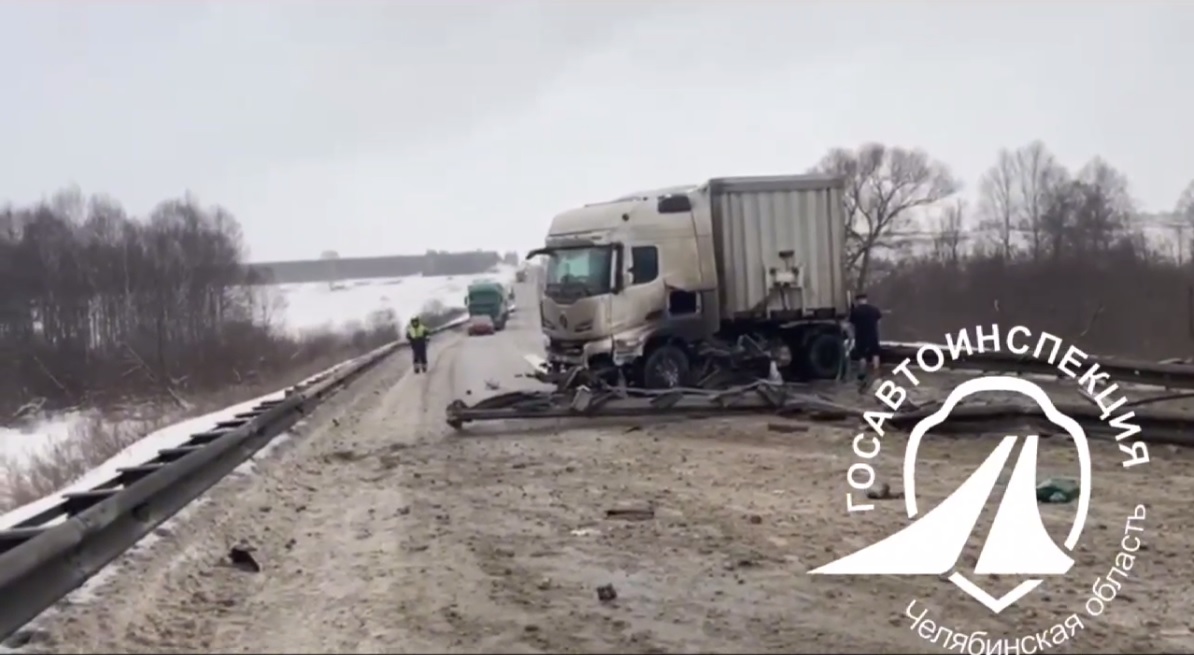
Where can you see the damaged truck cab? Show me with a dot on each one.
(678, 286)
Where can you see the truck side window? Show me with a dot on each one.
(645, 262)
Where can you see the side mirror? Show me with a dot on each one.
(673, 205)
(536, 252)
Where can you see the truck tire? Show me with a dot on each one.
(823, 355)
(666, 367)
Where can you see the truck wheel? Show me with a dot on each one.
(666, 367)
(823, 355)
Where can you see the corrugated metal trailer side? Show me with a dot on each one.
(755, 219)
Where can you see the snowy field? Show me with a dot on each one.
(320, 305)
(142, 451)
(305, 307)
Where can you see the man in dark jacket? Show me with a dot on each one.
(864, 321)
(416, 336)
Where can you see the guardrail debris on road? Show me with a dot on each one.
(1159, 426)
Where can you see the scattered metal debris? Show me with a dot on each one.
(630, 513)
(625, 403)
(607, 593)
(241, 557)
(882, 491)
(786, 428)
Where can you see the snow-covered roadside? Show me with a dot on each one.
(20, 444)
(87, 592)
(309, 306)
(140, 452)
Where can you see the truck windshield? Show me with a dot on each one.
(576, 273)
(483, 297)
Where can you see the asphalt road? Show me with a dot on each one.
(379, 529)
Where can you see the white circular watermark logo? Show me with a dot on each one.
(1017, 543)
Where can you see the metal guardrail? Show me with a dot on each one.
(47, 556)
(1161, 374)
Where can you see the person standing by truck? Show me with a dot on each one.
(416, 336)
(864, 322)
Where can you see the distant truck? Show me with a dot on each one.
(489, 298)
(667, 288)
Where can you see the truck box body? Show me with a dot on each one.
(755, 220)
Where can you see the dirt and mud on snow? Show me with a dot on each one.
(380, 530)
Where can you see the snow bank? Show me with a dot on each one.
(138, 453)
(21, 444)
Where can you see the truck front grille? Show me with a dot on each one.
(564, 347)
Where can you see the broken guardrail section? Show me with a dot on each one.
(1157, 425)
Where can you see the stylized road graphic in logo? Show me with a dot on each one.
(1017, 543)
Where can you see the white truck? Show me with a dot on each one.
(677, 286)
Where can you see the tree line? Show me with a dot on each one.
(1060, 249)
(97, 307)
(331, 267)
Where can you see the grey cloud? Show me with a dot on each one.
(380, 126)
(281, 80)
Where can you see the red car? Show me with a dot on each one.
(480, 325)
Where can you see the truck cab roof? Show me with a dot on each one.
(597, 220)
(659, 193)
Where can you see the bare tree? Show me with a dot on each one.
(949, 232)
(1185, 204)
(883, 187)
(1183, 221)
(1059, 207)
(1000, 202)
(69, 203)
(1037, 177)
(1107, 206)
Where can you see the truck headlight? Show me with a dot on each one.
(624, 345)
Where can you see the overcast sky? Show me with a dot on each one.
(393, 127)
